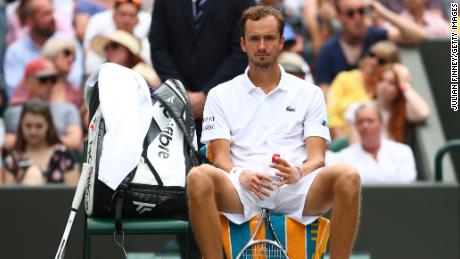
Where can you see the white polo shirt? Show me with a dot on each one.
(258, 124)
(395, 163)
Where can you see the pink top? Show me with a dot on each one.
(434, 25)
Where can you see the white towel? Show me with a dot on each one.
(127, 110)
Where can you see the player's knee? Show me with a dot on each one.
(348, 180)
(199, 180)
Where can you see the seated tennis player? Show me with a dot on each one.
(248, 119)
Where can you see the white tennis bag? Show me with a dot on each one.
(156, 186)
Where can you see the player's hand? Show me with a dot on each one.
(289, 174)
(256, 182)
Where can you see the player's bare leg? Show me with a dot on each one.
(210, 191)
(337, 187)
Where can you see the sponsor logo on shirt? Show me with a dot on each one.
(208, 123)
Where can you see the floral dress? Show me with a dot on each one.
(61, 161)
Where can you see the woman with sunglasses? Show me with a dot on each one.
(357, 85)
(124, 49)
(401, 106)
(38, 157)
(62, 53)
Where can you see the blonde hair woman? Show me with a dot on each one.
(357, 85)
(62, 53)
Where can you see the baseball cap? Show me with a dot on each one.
(40, 67)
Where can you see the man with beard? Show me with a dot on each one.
(248, 119)
(40, 19)
(343, 51)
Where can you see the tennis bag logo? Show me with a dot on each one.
(166, 136)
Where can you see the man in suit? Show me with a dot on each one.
(197, 42)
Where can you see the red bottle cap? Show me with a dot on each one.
(274, 157)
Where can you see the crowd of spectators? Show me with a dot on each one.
(349, 48)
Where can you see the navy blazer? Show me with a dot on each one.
(204, 57)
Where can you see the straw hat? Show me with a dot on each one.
(123, 38)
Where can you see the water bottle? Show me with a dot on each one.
(271, 201)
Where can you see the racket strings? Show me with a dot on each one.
(263, 251)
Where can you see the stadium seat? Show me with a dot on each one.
(450, 145)
(103, 226)
(338, 144)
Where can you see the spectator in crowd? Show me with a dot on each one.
(62, 53)
(320, 19)
(431, 21)
(40, 77)
(3, 32)
(378, 160)
(397, 6)
(197, 42)
(126, 16)
(344, 50)
(38, 157)
(85, 9)
(42, 26)
(294, 64)
(357, 85)
(399, 104)
(124, 49)
(17, 21)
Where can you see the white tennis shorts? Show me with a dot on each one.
(290, 200)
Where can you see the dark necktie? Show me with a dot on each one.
(198, 12)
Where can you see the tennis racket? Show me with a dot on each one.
(73, 211)
(263, 248)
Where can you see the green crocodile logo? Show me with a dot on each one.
(290, 109)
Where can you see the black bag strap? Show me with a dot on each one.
(153, 131)
(173, 97)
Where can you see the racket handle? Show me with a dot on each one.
(81, 186)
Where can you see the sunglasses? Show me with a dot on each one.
(380, 60)
(67, 53)
(136, 2)
(111, 46)
(47, 80)
(350, 13)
